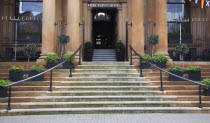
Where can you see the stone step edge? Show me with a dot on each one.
(106, 109)
(97, 97)
(106, 102)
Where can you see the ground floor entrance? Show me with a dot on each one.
(104, 28)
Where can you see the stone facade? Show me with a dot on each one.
(74, 12)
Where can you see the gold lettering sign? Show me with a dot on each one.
(100, 5)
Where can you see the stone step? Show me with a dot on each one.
(84, 93)
(84, 83)
(105, 98)
(107, 104)
(105, 78)
(104, 59)
(82, 88)
(105, 66)
(104, 110)
(106, 71)
(102, 63)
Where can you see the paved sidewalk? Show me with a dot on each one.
(109, 118)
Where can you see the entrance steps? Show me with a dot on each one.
(102, 55)
(104, 87)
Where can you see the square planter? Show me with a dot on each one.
(3, 92)
(50, 65)
(160, 64)
(32, 73)
(68, 65)
(144, 66)
(207, 92)
(16, 76)
(88, 55)
(196, 76)
(173, 78)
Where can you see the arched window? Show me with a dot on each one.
(101, 16)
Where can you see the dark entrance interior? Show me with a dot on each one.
(104, 23)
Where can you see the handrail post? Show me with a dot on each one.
(161, 81)
(70, 74)
(9, 99)
(141, 71)
(131, 57)
(80, 56)
(50, 89)
(200, 99)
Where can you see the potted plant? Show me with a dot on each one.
(153, 40)
(143, 63)
(16, 73)
(194, 73)
(160, 60)
(120, 51)
(182, 49)
(88, 51)
(63, 39)
(207, 87)
(70, 62)
(52, 60)
(3, 90)
(34, 70)
(176, 70)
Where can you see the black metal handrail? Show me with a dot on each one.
(49, 70)
(162, 70)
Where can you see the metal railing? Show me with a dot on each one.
(161, 71)
(49, 70)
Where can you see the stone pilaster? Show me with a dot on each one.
(73, 28)
(161, 26)
(48, 29)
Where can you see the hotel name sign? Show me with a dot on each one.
(106, 5)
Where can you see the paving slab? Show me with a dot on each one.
(109, 118)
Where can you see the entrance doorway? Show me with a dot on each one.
(104, 28)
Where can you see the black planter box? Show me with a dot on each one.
(88, 55)
(196, 76)
(173, 78)
(207, 92)
(68, 65)
(120, 54)
(160, 64)
(50, 65)
(32, 73)
(144, 66)
(3, 92)
(14, 77)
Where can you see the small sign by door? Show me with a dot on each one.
(99, 5)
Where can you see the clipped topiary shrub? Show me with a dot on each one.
(153, 40)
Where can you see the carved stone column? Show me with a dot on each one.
(161, 28)
(73, 28)
(48, 29)
(138, 25)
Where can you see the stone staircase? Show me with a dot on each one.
(104, 55)
(98, 87)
